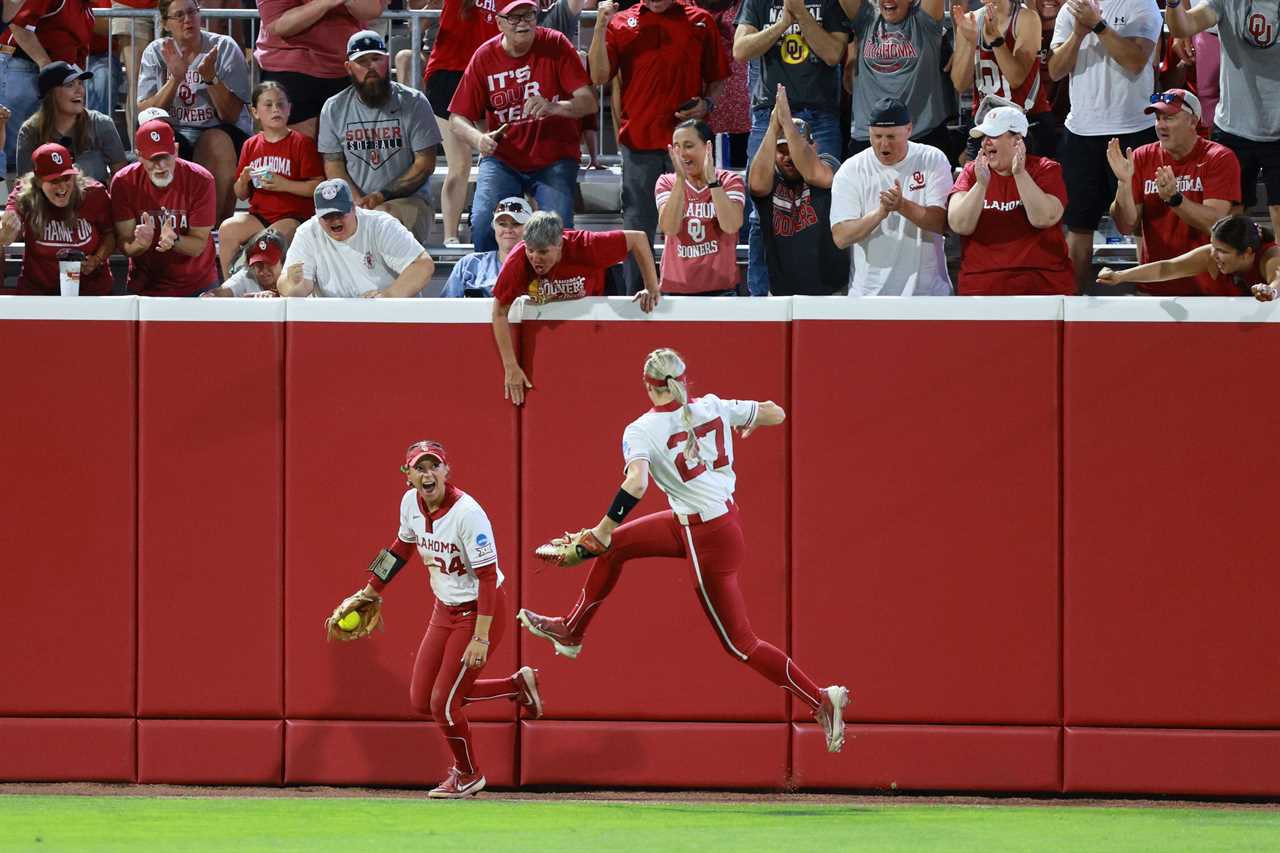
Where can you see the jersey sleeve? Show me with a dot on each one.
(605, 248)
(662, 188)
(734, 186)
(476, 534)
(634, 444)
(739, 413)
(405, 533)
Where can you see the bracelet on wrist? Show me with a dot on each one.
(1098, 27)
(479, 639)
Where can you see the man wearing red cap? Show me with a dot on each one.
(59, 211)
(165, 209)
(1171, 191)
(530, 82)
(260, 275)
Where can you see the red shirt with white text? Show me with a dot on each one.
(92, 222)
(187, 202)
(585, 255)
(700, 257)
(295, 157)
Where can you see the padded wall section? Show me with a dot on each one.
(210, 508)
(619, 754)
(651, 652)
(930, 758)
(390, 753)
(925, 524)
(366, 378)
(67, 512)
(67, 750)
(211, 752)
(1205, 763)
(1171, 579)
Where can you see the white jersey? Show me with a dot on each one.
(452, 545)
(658, 436)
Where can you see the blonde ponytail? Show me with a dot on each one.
(665, 368)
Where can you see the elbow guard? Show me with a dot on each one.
(385, 565)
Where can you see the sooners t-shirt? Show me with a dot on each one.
(701, 256)
(464, 26)
(1006, 242)
(188, 202)
(1209, 171)
(85, 231)
(496, 85)
(295, 157)
(584, 257)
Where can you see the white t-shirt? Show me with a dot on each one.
(455, 545)
(372, 258)
(242, 283)
(659, 437)
(898, 258)
(1105, 98)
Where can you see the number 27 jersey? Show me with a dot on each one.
(659, 436)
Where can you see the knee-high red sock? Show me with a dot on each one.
(770, 662)
(458, 735)
(492, 688)
(600, 582)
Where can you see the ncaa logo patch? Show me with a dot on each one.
(56, 157)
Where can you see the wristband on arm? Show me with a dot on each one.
(623, 503)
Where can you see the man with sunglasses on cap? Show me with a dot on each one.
(475, 274)
(380, 137)
(790, 184)
(1248, 116)
(889, 203)
(348, 251)
(165, 208)
(529, 90)
(1173, 190)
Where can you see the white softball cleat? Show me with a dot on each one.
(527, 683)
(830, 715)
(457, 786)
(551, 628)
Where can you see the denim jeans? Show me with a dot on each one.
(825, 128)
(106, 76)
(18, 93)
(552, 187)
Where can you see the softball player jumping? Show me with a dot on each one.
(687, 446)
(455, 540)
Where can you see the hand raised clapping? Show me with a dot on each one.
(168, 236)
(145, 231)
(10, 227)
(891, 198)
(1121, 163)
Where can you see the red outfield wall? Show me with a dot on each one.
(1025, 532)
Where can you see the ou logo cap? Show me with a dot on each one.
(56, 157)
(155, 136)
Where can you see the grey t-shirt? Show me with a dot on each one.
(900, 61)
(561, 19)
(103, 147)
(811, 83)
(1250, 76)
(192, 106)
(379, 143)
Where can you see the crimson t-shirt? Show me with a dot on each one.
(64, 27)
(92, 222)
(664, 59)
(496, 85)
(1209, 171)
(1006, 242)
(188, 202)
(459, 37)
(585, 255)
(295, 157)
(700, 257)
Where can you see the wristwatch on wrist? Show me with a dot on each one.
(713, 184)
(213, 81)
(1174, 200)
(1099, 27)
(998, 41)
(710, 102)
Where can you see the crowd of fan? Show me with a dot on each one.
(1066, 125)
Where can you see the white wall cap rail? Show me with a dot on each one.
(413, 310)
(692, 309)
(927, 308)
(68, 308)
(211, 310)
(1152, 309)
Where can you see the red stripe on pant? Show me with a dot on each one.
(441, 684)
(714, 551)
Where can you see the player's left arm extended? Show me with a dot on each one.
(193, 243)
(629, 494)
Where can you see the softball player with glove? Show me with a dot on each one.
(687, 446)
(455, 540)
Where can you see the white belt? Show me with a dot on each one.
(706, 515)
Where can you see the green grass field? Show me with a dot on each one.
(128, 823)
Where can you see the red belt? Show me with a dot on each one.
(458, 609)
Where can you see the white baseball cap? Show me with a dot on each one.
(151, 114)
(999, 121)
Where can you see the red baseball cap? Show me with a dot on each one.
(419, 449)
(153, 139)
(265, 250)
(516, 4)
(51, 161)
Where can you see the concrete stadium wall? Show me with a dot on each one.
(1029, 534)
